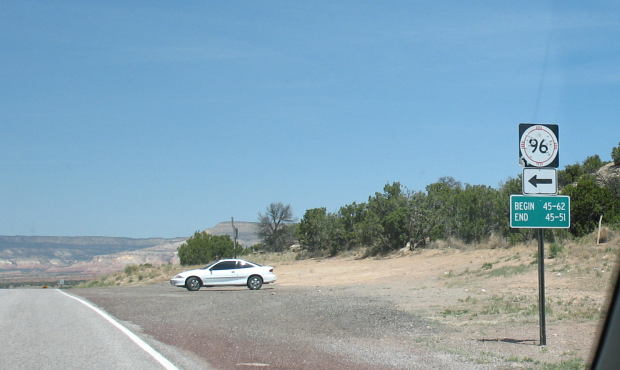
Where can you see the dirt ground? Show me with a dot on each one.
(479, 304)
(488, 296)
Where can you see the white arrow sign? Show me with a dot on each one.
(540, 181)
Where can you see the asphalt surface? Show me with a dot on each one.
(44, 329)
(279, 327)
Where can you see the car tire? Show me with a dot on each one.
(255, 282)
(192, 283)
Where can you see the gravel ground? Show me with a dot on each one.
(281, 327)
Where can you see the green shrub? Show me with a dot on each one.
(555, 249)
(575, 363)
(204, 247)
(588, 202)
(592, 164)
(131, 269)
(506, 271)
(615, 155)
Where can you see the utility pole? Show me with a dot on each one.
(235, 233)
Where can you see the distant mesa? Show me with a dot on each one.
(248, 232)
(38, 258)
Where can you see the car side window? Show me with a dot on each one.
(243, 265)
(225, 265)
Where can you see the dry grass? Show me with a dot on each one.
(578, 279)
(135, 275)
(147, 273)
(271, 259)
(524, 309)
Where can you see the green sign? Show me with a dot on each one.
(540, 212)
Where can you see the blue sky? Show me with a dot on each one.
(159, 118)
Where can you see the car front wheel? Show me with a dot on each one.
(192, 284)
(255, 282)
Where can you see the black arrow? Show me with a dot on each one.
(535, 181)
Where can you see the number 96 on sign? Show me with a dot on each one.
(539, 212)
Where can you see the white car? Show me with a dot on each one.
(226, 272)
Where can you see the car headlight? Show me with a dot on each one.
(178, 277)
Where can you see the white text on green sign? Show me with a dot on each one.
(539, 212)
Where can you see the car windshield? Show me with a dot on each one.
(210, 265)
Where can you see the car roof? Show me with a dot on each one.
(234, 259)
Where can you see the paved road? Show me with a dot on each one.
(46, 329)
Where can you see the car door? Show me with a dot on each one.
(244, 270)
(222, 273)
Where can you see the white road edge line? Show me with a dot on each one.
(142, 344)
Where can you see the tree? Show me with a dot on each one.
(613, 184)
(312, 232)
(273, 226)
(477, 213)
(203, 247)
(422, 218)
(588, 202)
(442, 200)
(350, 222)
(321, 232)
(387, 218)
(615, 155)
(592, 164)
(570, 174)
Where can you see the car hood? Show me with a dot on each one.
(192, 272)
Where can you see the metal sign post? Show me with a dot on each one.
(541, 287)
